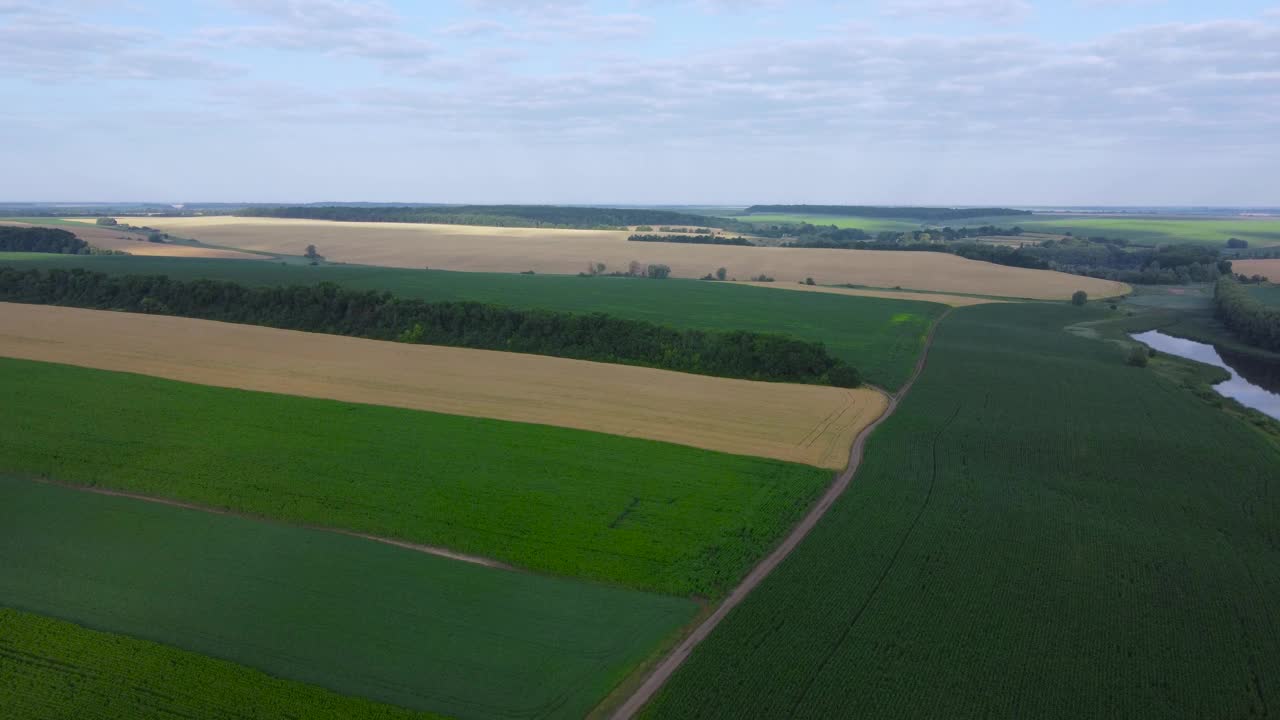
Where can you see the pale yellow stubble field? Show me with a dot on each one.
(1268, 268)
(809, 424)
(471, 248)
(106, 238)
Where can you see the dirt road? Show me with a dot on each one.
(676, 658)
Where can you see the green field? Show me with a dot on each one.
(880, 337)
(354, 616)
(638, 513)
(1268, 294)
(1209, 231)
(1144, 230)
(1040, 531)
(55, 669)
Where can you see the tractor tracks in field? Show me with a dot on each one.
(416, 547)
(667, 666)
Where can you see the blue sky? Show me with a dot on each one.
(1023, 102)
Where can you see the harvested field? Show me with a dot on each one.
(879, 336)
(455, 247)
(106, 238)
(952, 300)
(808, 424)
(1269, 268)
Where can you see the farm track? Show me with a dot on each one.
(672, 662)
(425, 549)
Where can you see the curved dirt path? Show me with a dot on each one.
(660, 674)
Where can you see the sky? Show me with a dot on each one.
(960, 102)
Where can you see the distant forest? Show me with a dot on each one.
(328, 308)
(1255, 323)
(878, 211)
(41, 240)
(548, 216)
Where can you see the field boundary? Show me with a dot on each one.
(672, 662)
(416, 547)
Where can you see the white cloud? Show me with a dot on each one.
(988, 10)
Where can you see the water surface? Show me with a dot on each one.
(1264, 399)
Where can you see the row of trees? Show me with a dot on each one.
(500, 216)
(1253, 322)
(1112, 260)
(879, 211)
(328, 308)
(699, 239)
(41, 240)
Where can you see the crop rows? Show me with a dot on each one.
(55, 669)
(1039, 531)
(356, 617)
(881, 337)
(633, 512)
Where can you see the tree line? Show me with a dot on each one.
(329, 308)
(1253, 322)
(880, 211)
(1112, 259)
(548, 216)
(698, 239)
(41, 240)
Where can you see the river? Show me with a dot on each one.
(1261, 391)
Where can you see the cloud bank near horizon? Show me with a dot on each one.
(643, 101)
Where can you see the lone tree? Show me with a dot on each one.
(106, 221)
(1079, 297)
(1138, 357)
(1237, 244)
(659, 272)
(311, 253)
(721, 273)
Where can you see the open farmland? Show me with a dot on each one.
(639, 513)
(1265, 294)
(1268, 268)
(1259, 231)
(55, 669)
(353, 616)
(880, 337)
(942, 298)
(107, 238)
(1039, 531)
(810, 424)
(453, 247)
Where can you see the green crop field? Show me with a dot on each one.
(1265, 294)
(351, 615)
(1208, 231)
(1258, 232)
(1040, 531)
(55, 669)
(880, 337)
(643, 514)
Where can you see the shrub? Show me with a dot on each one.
(1138, 356)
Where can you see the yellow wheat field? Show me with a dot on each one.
(108, 239)
(1267, 268)
(461, 247)
(802, 423)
